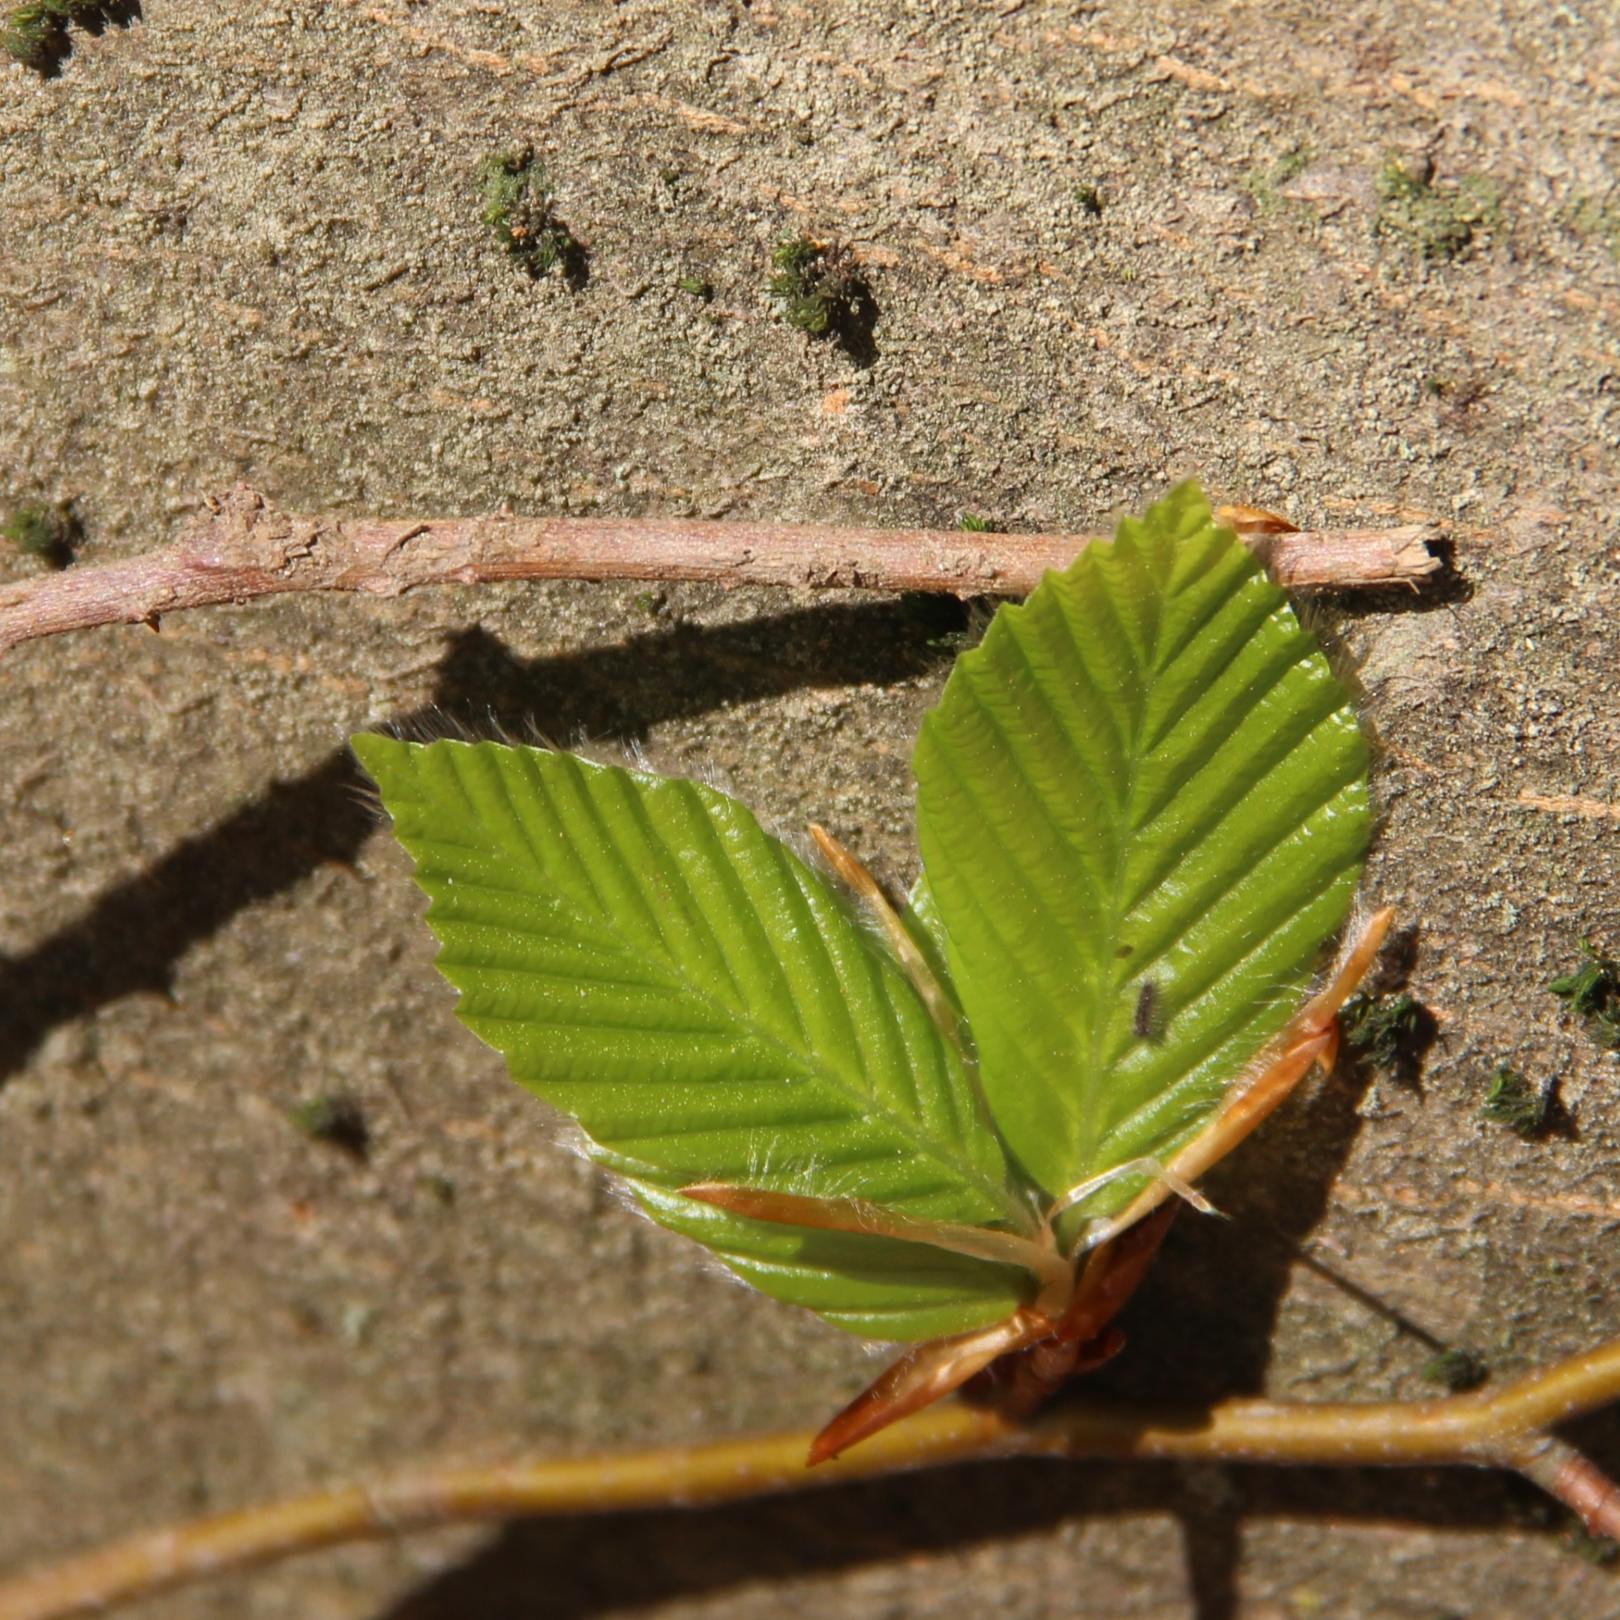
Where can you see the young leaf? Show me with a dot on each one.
(653, 963)
(1144, 787)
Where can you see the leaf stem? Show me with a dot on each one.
(856, 1216)
(241, 547)
(1505, 1429)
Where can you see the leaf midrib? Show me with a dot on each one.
(1093, 1137)
(1091, 1134)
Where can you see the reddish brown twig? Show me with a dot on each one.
(241, 547)
(1504, 1429)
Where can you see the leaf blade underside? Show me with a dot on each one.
(1145, 775)
(649, 960)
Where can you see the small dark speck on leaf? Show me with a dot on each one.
(1145, 1021)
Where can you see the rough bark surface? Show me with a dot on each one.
(243, 242)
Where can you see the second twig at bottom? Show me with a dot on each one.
(1506, 1429)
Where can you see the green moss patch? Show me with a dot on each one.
(1441, 220)
(520, 209)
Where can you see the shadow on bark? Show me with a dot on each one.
(1217, 1286)
(572, 1569)
(129, 941)
(1217, 1289)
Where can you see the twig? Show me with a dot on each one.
(1506, 1429)
(241, 547)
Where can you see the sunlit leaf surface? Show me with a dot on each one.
(653, 963)
(1142, 809)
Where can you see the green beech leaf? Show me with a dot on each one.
(1144, 776)
(653, 963)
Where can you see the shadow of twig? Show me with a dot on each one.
(130, 939)
(576, 1568)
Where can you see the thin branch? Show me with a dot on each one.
(1506, 1429)
(241, 547)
